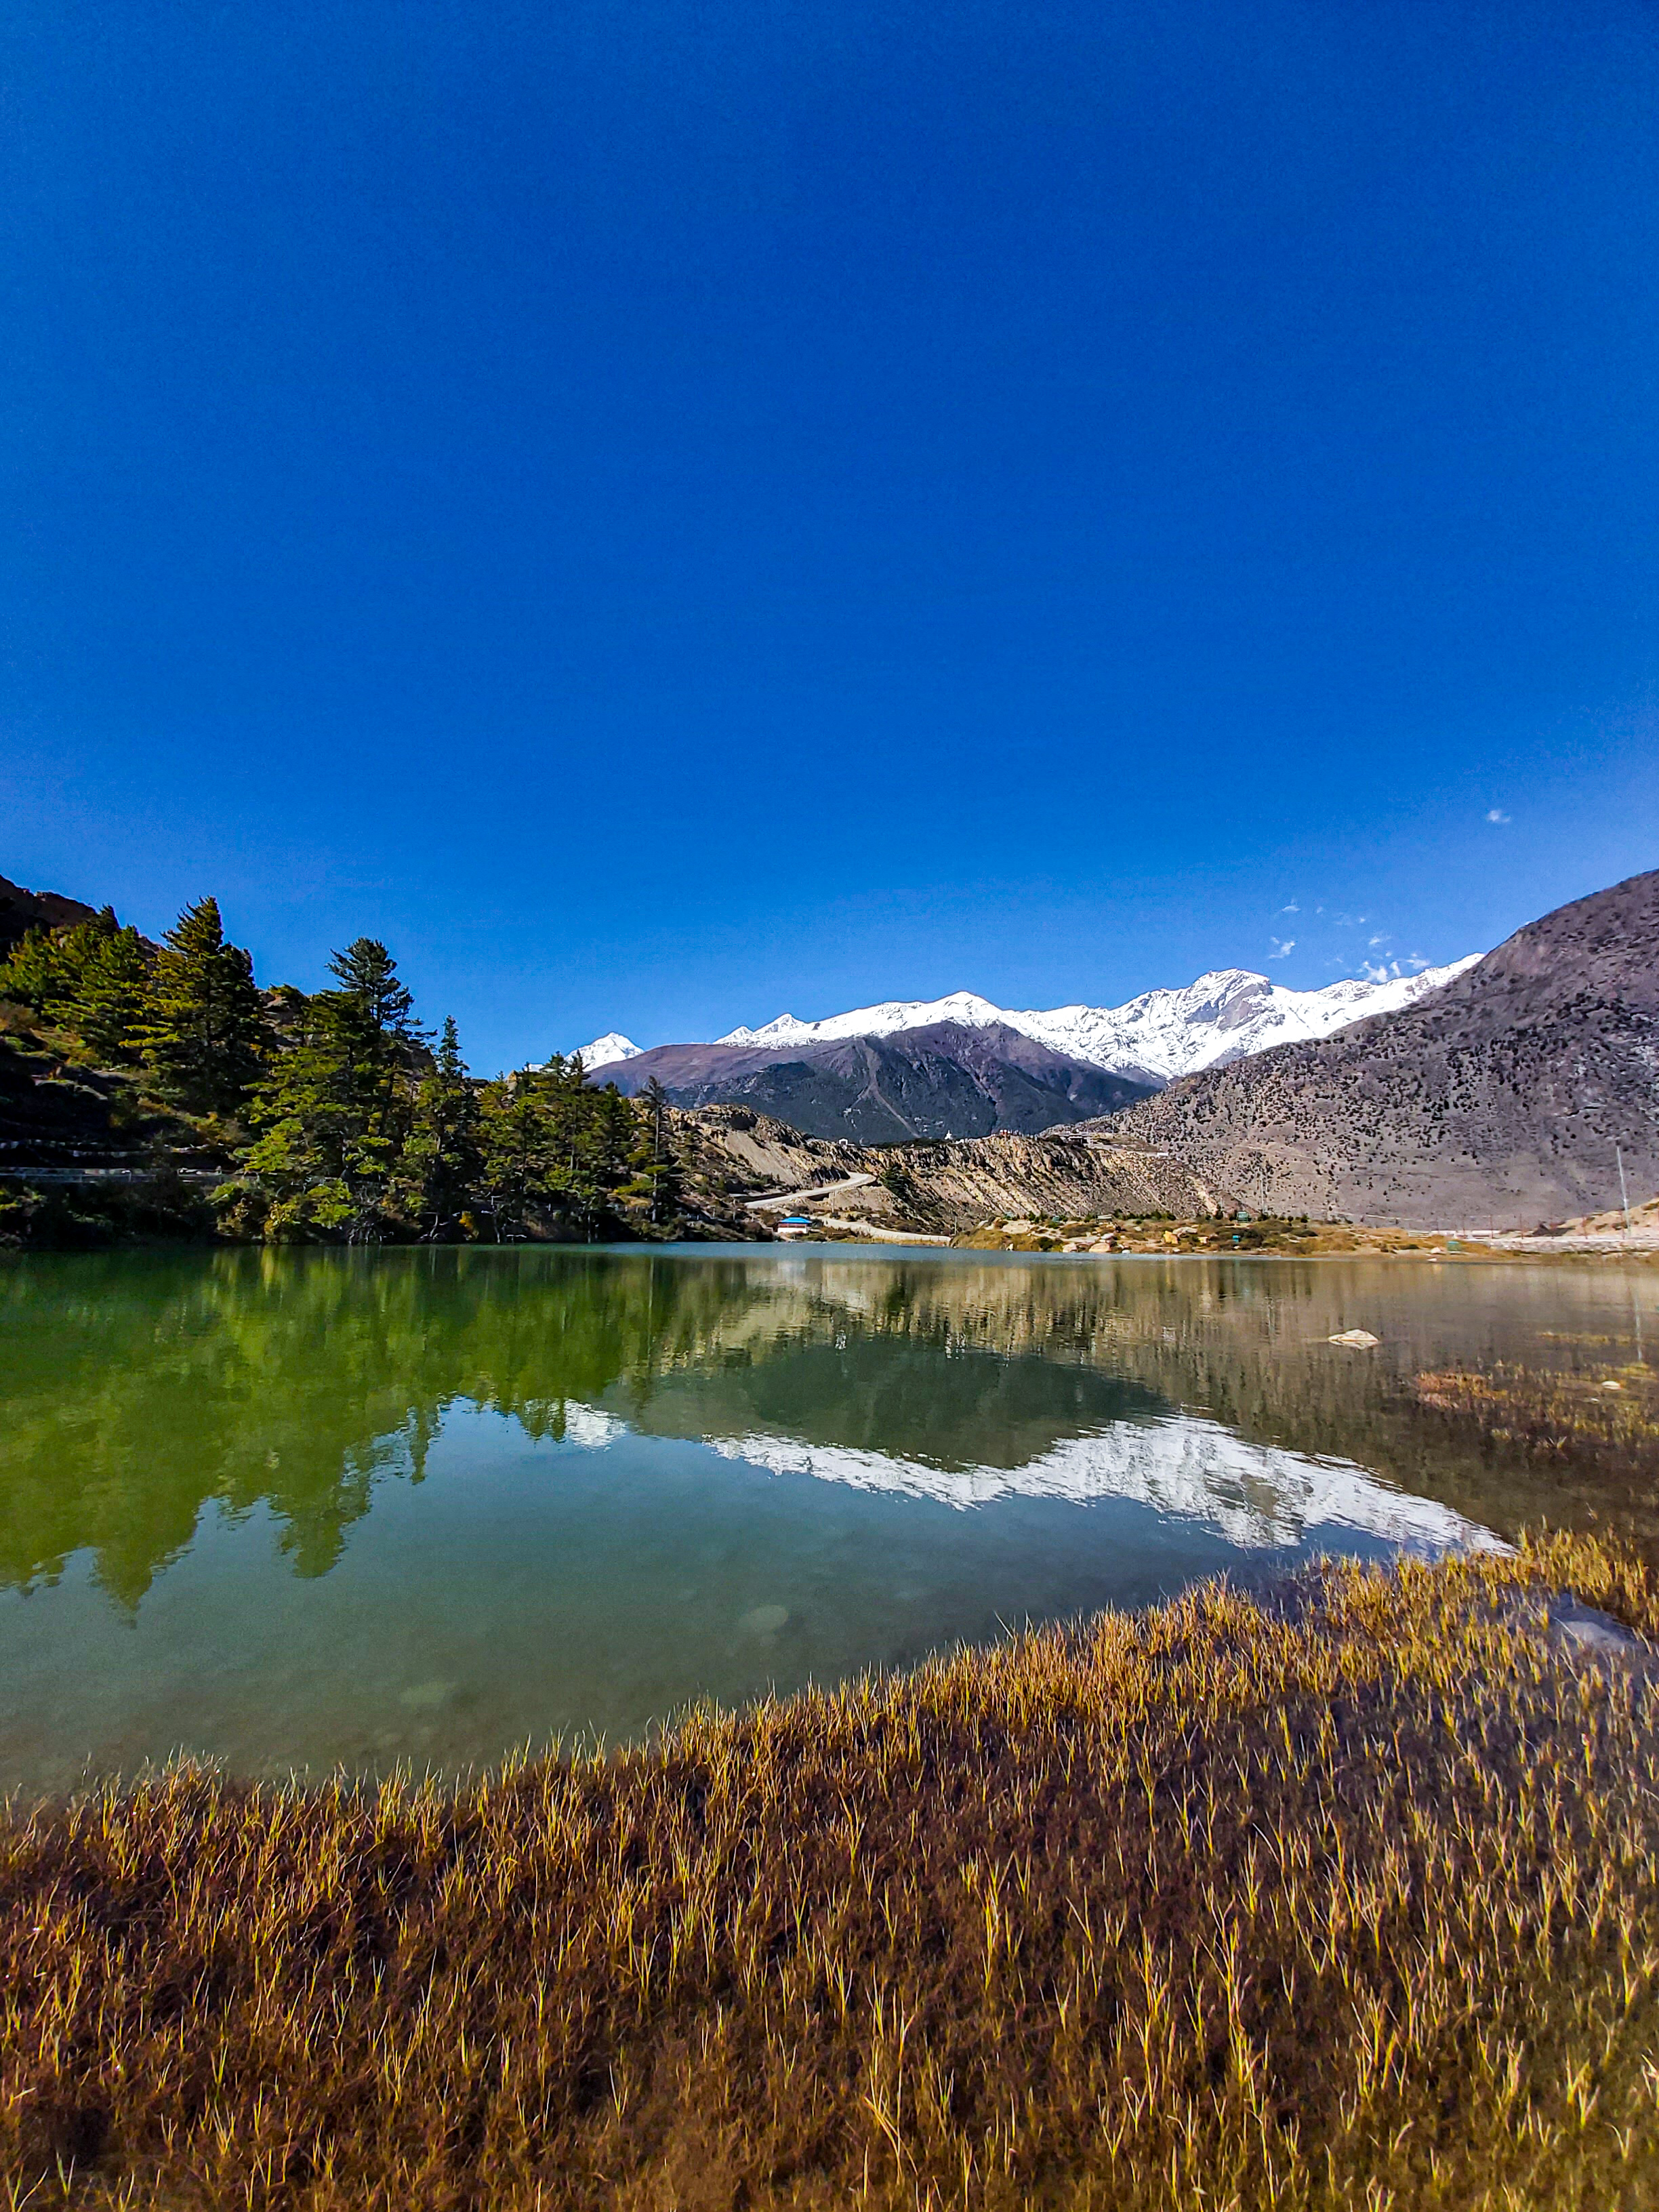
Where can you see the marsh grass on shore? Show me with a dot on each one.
(1345, 1899)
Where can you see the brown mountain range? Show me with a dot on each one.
(1501, 1097)
(947, 1080)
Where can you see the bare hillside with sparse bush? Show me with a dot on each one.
(1500, 1097)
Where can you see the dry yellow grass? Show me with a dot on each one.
(1348, 1900)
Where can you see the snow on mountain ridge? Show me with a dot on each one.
(966, 1008)
(1224, 1015)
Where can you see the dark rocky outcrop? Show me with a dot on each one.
(21, 911)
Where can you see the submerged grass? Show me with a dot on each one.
(1603, 1417)
(1347, 1899)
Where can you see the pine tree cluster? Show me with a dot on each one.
(338, 1118)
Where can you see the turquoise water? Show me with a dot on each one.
(302, 1510)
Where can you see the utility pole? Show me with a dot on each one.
(1624, 1187)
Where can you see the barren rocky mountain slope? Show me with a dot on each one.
(1500, 1097)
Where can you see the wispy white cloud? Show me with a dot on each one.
(1291, 908)
(1416, 962)
(1380, 971)
(1281, 948)
(1496, 814)
(1382, 937)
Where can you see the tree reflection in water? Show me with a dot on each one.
(138, 1387)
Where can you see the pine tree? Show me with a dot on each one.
(296, 1165)
(91, 981)
(554, 1151)
(109, 1005)
(519, 1132)
(204, 1029)
(44, 972)
(338, 1108)
(29, 976)
(442, 1163)
(591, 1147)
(611, 1140)
(661, 1169)
(380, 1057)
(374, 994)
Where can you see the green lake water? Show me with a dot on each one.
(317, 1509)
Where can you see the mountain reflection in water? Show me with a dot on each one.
(885, 1453)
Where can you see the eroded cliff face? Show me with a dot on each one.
(951, 1188)
(935, 1187)
(753, 1154)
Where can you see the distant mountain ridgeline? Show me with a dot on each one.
(1224, 1015)
(1508, 1094)
(944, 1080)
(960, 1067)
(1503, 1089)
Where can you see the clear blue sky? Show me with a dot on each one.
(674, 510)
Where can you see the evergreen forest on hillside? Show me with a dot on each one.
(333, 1116)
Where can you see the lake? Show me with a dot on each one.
(302, 1510)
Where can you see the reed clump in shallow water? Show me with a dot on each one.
(1349, 1899)
(1597, 1418)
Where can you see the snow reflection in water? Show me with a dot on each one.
(1259, 1496)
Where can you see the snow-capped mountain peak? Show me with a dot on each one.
(607, 1051)
(1224, 1015)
